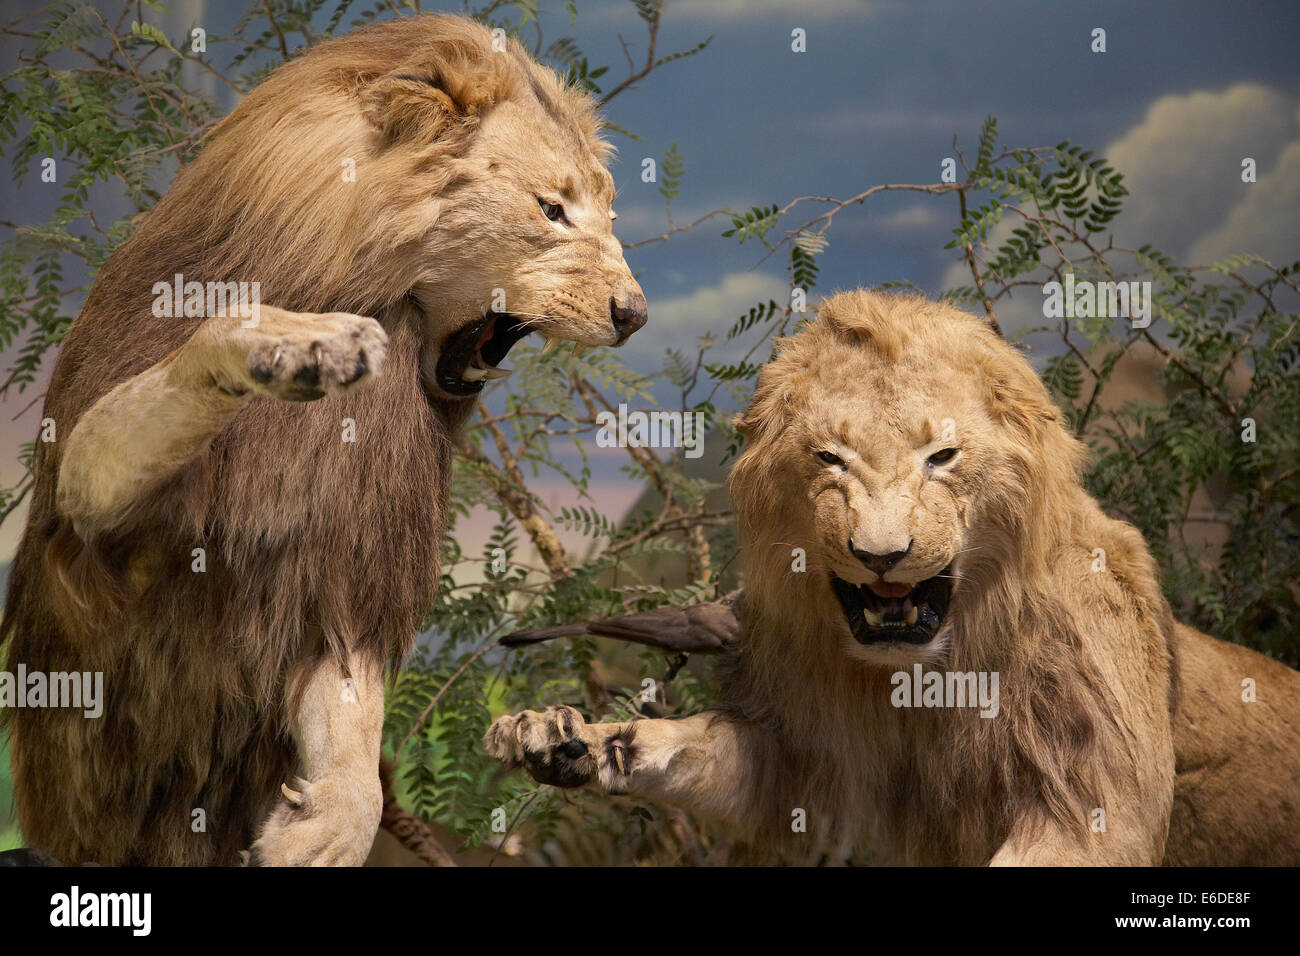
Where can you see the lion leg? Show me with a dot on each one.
(1131, 832)
(148, 428)
(702, 763)
(330, 815)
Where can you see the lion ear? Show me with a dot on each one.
(766, 412)
(424, 106)
(1013, 403)
(745, 425)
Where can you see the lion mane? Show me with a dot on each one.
(310, 543)
(910, 512)
(1082, 656)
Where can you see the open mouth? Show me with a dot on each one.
(887, 613)
(470, 357)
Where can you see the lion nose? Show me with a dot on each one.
(628, 314)
(880, 563)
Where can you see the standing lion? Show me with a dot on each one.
(949, 654)
(238, 524)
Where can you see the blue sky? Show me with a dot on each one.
(1184, 91)
(884, 88)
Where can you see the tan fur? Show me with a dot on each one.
(1237, 795)
(322, 555)
(1087, 658)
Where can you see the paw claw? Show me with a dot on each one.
(619, 758)
(329, 821)
(360, 369)
(549, 745)
(304, 357)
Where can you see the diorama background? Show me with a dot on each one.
(1183, 93)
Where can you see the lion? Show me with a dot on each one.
(239, 521)
(949, 655)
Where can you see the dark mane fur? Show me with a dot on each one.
(310, 542)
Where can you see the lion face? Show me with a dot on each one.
(496, 179)
(887, 495)
(420, 169)
(532, 204)
(898, 441)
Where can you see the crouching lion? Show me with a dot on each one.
(238, 524)
(948, 653)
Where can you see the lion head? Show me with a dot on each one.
(422, 163)
(905, 453)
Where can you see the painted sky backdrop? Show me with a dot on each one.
(1183, 93)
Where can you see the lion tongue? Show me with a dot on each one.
(889, 589)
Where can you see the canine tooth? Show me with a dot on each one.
(293, 796)
(472, 374)
(911, 617)
(550, 346)
(874, 619)
(578, 349)
(499, 372)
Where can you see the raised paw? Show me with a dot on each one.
(310, 357)
(328, 822)
(556, 746)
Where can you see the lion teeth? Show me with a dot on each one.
(472, 374)
(874, 619)
(578, 349)
(550, 346)
(911, 616)
(499, 372)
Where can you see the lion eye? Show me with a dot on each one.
(553, 211)
(831, 459)
(942, 456)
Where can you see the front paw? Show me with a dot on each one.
(328, 822)
(556, 747)
(330, 354)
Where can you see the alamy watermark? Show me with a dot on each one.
(83, 690)
(654, 429)
(1086, 299)
(946, 689)
(74, 908)
(181, 299)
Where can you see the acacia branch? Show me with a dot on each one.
(279, 34)
(509, 485)
(969, 248)
(639, 75)
(1206, 387)
(408, 829)
(674, 230)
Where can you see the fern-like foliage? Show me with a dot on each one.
(1216, 447)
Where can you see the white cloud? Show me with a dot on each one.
(1182, 163)
(713, 307)
(1182, 166)
(894, 122)
(917, 217)
(1264, 221)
